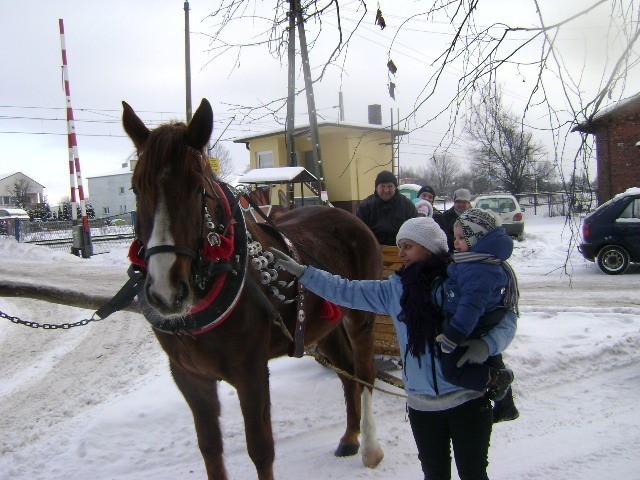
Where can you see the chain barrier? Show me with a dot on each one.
(50, 326)
(310, 352)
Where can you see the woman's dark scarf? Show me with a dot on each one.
(419, 313)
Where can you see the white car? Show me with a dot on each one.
(507, 208)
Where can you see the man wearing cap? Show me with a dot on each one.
(386, 209)
(461, 203)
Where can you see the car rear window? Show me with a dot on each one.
(632, 211)
(498, 205)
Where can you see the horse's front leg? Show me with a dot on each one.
(253, 393)
(202, 396)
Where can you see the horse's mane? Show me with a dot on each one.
(164, 154)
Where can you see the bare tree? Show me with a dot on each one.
(475, 181)
(545, 178)
(227, 169)
(443, 171)
(271, 33)
(501, 146)
(569, 56)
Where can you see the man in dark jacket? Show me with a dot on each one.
(461, 203)
(386, 210)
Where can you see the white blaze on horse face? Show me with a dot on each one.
(159, 265)
(372, 453)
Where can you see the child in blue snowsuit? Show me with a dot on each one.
(480, 287)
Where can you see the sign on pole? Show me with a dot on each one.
(215, 165)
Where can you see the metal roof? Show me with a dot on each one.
(305, 128)
(277, 175)
(13, 213)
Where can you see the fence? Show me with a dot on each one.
(118, 230)
(106, 233)
(554, 204)
(551, 204)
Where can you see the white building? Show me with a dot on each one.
(110, 193)
(8, 181)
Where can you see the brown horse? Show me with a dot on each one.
(215, 301)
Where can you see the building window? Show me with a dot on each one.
(123, 208)
(265, 159)
(121, 190)
(105, 210)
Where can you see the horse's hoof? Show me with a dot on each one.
(373, 458)
(346, 450)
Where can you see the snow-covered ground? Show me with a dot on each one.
(98, 401)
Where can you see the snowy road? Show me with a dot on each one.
(98, 401)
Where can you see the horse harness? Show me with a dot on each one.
(229, 248)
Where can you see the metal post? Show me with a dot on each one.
(395, 169)
(291, 99)
(311, 105)
(187, 59)
(395, 142)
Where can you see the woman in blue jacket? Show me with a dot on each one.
(440, 413)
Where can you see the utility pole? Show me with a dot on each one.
(395, 166)
(311, 104)
(291, 99)
(187, 59)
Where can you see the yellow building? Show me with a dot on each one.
(352, 155)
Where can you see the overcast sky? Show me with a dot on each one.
(134, 51)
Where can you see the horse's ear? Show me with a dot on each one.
(201, 125)
(135, 128)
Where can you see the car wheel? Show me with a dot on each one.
(613, 260)
(520, 237)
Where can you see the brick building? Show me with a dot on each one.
(617, 132)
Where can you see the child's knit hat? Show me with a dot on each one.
(476, 223)
(424, 208)
(426, 232)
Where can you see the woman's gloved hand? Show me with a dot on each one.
(477, 352)
(285, 262)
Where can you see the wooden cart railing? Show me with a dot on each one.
(386, 342)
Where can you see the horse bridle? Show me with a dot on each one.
(212, 237)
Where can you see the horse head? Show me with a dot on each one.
(175, 204)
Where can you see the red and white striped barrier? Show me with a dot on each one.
(75, 176)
